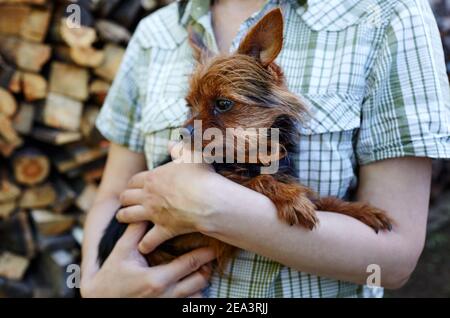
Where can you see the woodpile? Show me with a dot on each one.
(54, 77)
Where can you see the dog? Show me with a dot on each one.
(247, 89)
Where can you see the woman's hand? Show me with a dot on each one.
(126, 273)
(174, 197)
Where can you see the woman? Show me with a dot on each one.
(373, 72)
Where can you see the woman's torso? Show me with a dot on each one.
(326, 57)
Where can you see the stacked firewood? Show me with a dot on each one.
(57, 62)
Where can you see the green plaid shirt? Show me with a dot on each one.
(372, 71)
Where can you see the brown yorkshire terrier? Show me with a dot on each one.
(247, 90)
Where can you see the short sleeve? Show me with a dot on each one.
(120, 116)
(406, 110)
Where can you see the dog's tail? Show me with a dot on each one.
(111, 235)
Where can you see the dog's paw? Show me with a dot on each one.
(377, 219)
(300, 211)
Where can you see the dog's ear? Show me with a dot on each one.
(201, 52)
(265, 39)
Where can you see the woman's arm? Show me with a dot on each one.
(340, 247)
(121, 165)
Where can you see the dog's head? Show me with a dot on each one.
(245, 89)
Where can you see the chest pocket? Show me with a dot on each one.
(332, 112)
(326, 159)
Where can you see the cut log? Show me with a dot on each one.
(34, 86)
(55, 136)
(80, 171)
(87, 126)
(6, 149)
(98, 91)
(8, 191)
(35, 27)
(24, 21)
(6, 209)
(62, 112)
(87, 56)
(17, 236)
(54, 243)
(15, 84)
(13, 266)
(31, 166)
(36, 2)
(6, 73)
(26, 55)
(94, 175)
(76, 156)
(87, 197)
(69, 80)
(111, 64)
(23, 120)
(65, 195)
(83, 154)
(8, 105)
(110, 31)
(82, 36)
(49, 223)
(7, 132)
(12, 18)
(38, 197)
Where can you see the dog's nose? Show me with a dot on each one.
(187, 132)
(190, 128)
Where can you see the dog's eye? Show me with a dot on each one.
(223, 105)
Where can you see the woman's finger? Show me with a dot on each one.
(196, 295)
(131, 197)
(155, 237)
(186, 264)
(133, 214)
(131, 237)
(190, 285)
(138, 180)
